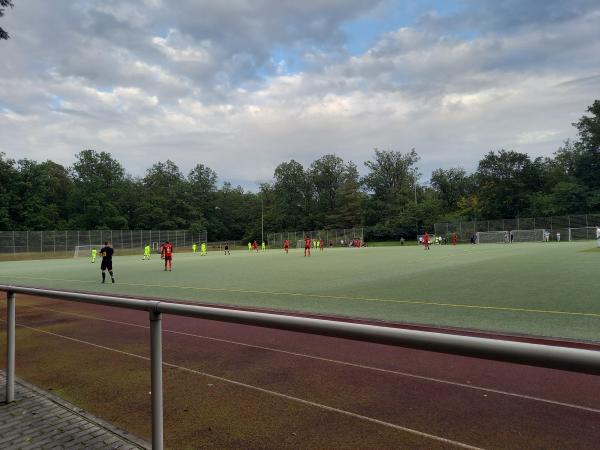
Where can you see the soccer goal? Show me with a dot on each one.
(492, 237)
(85, 250)
(527, 235)
(582, 234)
(431, 238)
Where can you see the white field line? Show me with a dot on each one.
(269, 392)
(344, 363)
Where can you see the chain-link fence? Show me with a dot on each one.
(555, 224)
(331, 238)
(48, 243)
(231, 245)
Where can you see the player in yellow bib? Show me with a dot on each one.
(203, 249)
(194, 247)
(94, 251)
(146, 253)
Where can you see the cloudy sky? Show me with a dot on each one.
(243, 85)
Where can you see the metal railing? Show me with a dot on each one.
(564, 358)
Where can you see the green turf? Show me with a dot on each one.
(538, 289)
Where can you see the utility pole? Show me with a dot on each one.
(416, 218)
(262, 219)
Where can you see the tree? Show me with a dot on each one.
(589, 128)
(326, 176)
(8, 195)
(451, 185)
(202, 183)
(349, 201)
(291, 197)
(3, 5)
(392, 180)
(506, 180)
(393, 174)
(97, 199)
(587, 166)
(166, 204)
(44, 190)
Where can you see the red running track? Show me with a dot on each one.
(287, 389)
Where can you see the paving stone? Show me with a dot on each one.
(40, 420)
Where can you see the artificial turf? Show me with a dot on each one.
(542, 289)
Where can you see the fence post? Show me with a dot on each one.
(156, 379)
(27, 240)
(10, 346)
(14, 248)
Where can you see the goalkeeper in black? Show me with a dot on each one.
(107, 254)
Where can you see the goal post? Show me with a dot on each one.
(536, 235)
(85, 250)
(492, 237)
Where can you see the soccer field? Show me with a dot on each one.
(533, 289)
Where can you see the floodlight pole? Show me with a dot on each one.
(262, 219)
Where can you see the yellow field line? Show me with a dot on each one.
(331, 297)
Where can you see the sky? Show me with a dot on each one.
(241, 86)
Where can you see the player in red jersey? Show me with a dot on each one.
(453, 238)
(255, 246)
(321, 245)
(166, 253)
(286, 245)
(307, 246)
(426, 240)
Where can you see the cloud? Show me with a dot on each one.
(241, 86)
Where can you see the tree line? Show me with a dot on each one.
(390, 200)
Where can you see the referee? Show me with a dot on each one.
(107, 254)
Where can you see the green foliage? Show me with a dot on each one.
(3, 5)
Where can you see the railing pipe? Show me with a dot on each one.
(156, 379)
(10, 346)
(564, 358)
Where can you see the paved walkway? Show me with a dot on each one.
(40, 420)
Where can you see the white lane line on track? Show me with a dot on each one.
(268, 392)
(345, 363)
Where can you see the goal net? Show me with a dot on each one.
(527, 235)
(492, 237)
(582, 234)
(85, 250)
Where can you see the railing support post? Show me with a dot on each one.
(10, 346)
(156, 379)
